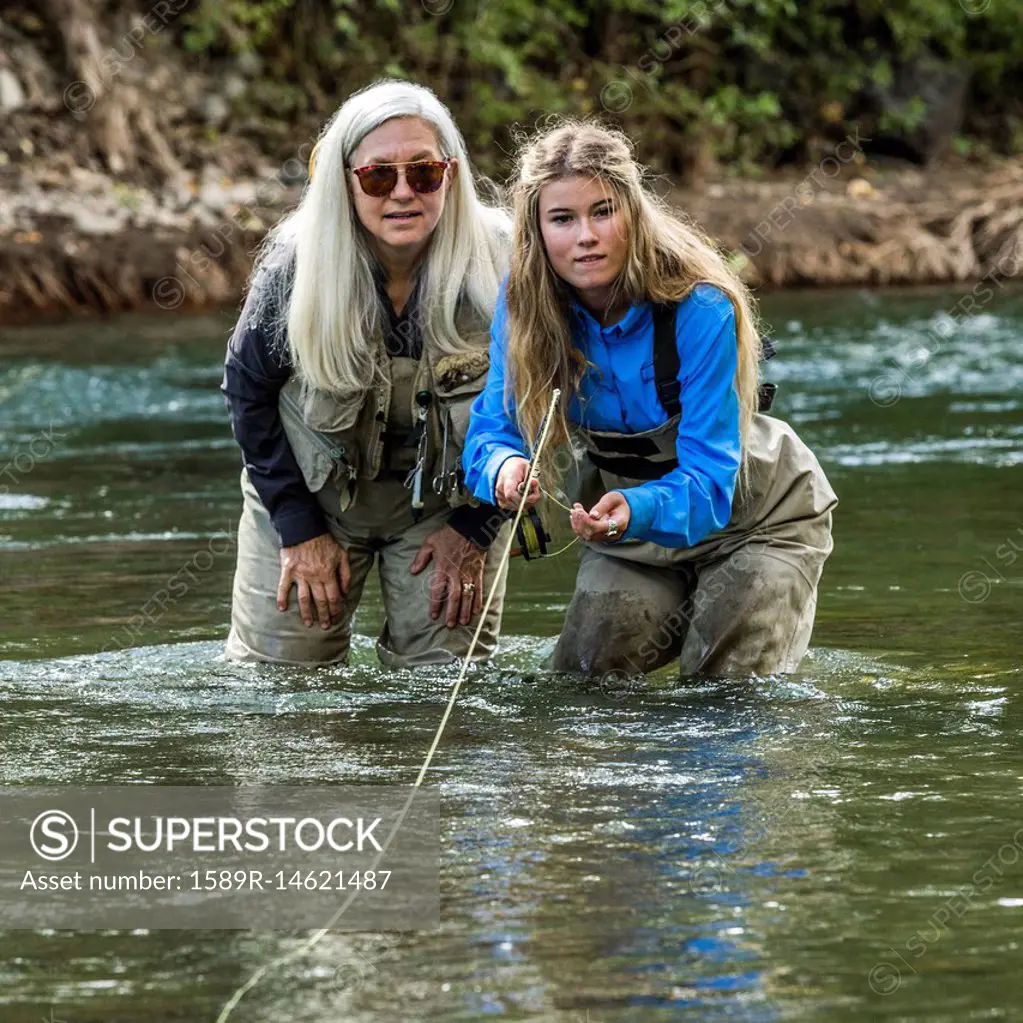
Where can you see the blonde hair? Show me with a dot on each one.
(314, 273)
(667, 257)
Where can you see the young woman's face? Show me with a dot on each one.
(584, 234)
(402, 220)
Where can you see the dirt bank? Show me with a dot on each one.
(74, 241)
(78, 241)
(140, 166)
(870, 227)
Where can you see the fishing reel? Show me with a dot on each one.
(532, 537)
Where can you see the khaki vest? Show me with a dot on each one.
(336, 463)
(785, 499)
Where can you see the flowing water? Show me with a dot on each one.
(839, 845)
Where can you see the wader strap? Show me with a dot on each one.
(642, 456)
(632, 466)
(666, 361)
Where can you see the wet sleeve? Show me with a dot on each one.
(254, 374)
(695, 499)
(493, 435)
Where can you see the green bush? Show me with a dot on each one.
(735, 85)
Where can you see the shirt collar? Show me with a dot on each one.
(622, 327)
(380, 279)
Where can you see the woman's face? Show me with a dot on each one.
(401, 222)
(584, 235)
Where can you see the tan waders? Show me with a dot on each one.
(359, 474)
(379, 525)
(740, 602)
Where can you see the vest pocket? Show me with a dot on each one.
(457, 382)
(326, 466)
(457, 405)
(329, 412)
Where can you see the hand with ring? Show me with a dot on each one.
(605, 522)
(456, 586)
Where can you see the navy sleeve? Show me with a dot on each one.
(478, 524)
(253, 377)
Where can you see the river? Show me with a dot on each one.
(837, 845)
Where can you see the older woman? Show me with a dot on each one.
(705, 523)
(349, 378)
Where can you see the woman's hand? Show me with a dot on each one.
(507, 490)
(594, 524)
(316, 567)
(457, 575)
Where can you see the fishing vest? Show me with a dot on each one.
(786, 493)
(415, 409)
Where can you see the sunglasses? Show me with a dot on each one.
(380, 179)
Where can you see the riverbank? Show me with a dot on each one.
(145, 151)
(78, 242)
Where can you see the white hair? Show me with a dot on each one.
(313, 275)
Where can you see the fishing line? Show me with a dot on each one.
(571, 543)
(316, 936)
(551, 497)
(560, 504)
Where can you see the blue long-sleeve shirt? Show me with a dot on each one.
(618, 393)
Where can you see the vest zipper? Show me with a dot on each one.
(376, 444)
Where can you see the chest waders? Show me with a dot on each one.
(356, 458)
(740, 601)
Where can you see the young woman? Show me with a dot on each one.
(705, 523)
(349, 378)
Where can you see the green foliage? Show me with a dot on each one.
(238, 23)
(739, 84)
(904, 118)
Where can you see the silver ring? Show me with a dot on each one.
(468, 587)
(612, 528)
